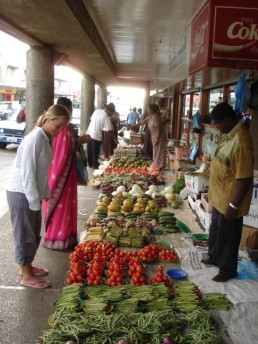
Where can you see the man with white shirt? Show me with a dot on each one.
(99, 120)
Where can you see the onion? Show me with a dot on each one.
(123, 341)
(168, 340)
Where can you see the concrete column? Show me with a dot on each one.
(146, 100)
(39, 83)
(101, 97)
(87, 101)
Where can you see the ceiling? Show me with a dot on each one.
(115, 41)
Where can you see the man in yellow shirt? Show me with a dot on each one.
(230, 191)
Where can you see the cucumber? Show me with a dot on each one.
(167, 218)
(167, 222)
(165, 213)
(150, 217)
(171, 226)
(172, 230)
(115, 213)
(132, 214)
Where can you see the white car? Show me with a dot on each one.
(11, 131)
(76, 119)
(5, 111)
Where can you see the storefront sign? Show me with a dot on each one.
(225, 34)
(199, 39)
(235, 37)
(7, 91)
(179, 57)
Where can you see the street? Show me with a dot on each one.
(7, 156)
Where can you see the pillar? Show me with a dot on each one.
(101, 97)
(146, 100)
(87, 101)
(39, 83)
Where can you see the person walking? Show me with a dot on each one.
(110, 137)
(60, 211)
(230, 191)
(133, 117)
(99, 120)
(26, 189)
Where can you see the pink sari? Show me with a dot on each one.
(60, 211)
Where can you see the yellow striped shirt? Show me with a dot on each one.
(232, 160)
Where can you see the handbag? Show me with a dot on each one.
(81, 166)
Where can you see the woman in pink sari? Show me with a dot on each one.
(60, 211)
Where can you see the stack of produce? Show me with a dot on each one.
(160, 277)
(187, 296)
(168, 222)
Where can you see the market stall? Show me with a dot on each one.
(125, 283)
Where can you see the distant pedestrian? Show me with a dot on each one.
(110, 138)
(133, 117)
(141, 115)
(157, 135)
(99, 121)
(28, 187)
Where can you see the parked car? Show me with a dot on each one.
(11, 131)
(5, 111)
(76, 119)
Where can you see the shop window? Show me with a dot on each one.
(231, 95)
(215, 97)
(191, 105)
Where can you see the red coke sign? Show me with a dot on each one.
(232, 34)
(199, 39)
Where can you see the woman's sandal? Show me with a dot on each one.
(38, 284)
(38, 271)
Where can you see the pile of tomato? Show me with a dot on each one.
(168, 256)
(92, 261)
(137, 272)
(160, 277)
(149, 253)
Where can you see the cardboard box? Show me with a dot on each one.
(196, 183)
(182, 153)
(204, 217)
(172, 165)
(249, 238)
(252, 218)
(192, 202)
(255, 194)
(205, 203)
(135, 139)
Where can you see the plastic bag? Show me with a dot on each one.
(81, 167)
(194, 151)
(242, 94)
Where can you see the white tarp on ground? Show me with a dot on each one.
(242, 319)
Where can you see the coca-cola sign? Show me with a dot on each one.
(225, 34)
(199, 38)
(235, 37)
